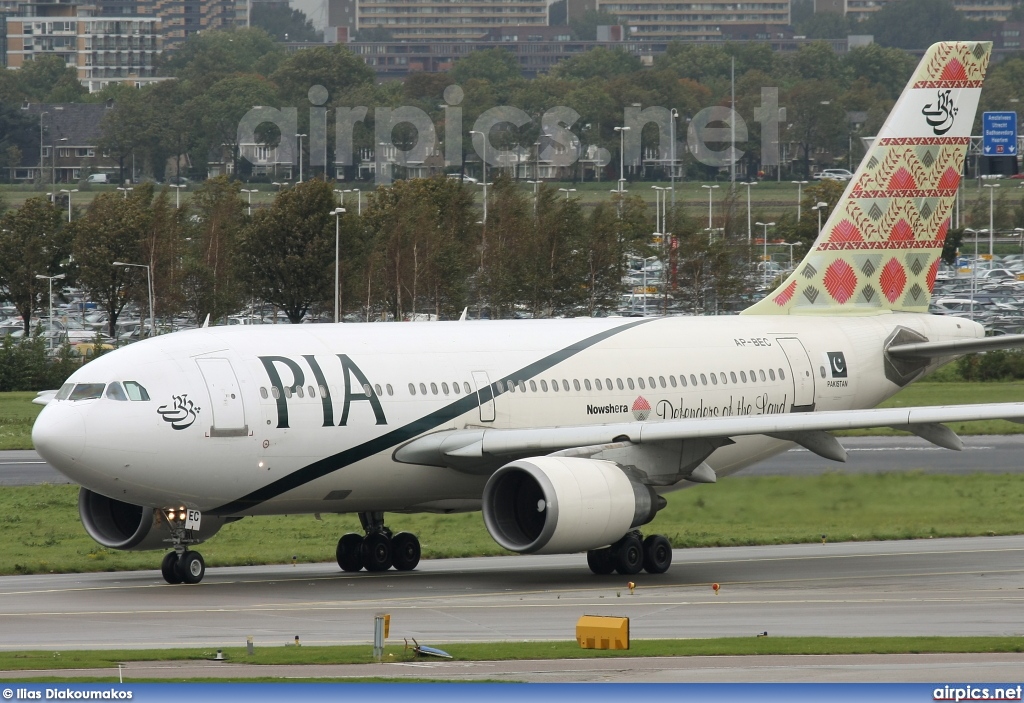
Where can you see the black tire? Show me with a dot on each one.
(657, 554)
(405, 551)
(350, 552)
(377, 552)
(600, 561)
(191, 567)
(628, 555)
(169, 568)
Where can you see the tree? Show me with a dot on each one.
(585, 28)
(598, 63)
(49, 79)
(284, 23)
(372, 34)
(496, 66)
(212, 282)
(917, 24)
(209, 56)
(819, 120)
(287, 251)
(825, 25)
(886, 67)
(334, 67)
(113, 228)
(35, 244)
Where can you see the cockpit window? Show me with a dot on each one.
(87, 391)
(115, 392)
(135, 391)
(64, 391)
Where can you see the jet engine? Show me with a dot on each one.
(559, 505)
(119, 525)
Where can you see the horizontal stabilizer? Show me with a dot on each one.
(955, 347)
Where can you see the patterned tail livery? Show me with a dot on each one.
(880, 248)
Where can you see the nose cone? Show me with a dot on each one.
(59, 435)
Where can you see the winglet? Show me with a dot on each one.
(462, 317)
(206, 322)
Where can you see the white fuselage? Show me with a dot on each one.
(213, 435)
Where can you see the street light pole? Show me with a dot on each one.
(974, 266)
(711, 190)
(673, 115)
(748, 184)
(337, 212)
(300, 136)
(41, 115)
(799, 196)
(149, 287)
(125, 191)
(764, 257)
(69, 192)
(991, 213)
(250, 192)
(563, 190)
(819, 207)
(622, 150)
(51, 279)
(177, 194)
(483, 166)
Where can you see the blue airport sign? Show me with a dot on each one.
(999, 133)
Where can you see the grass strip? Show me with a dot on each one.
(43, 533)
(509, 651)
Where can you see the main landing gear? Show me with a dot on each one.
(379, 550)
(631, 555)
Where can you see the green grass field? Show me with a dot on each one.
(17, 413)
(503, 651)
(43, 533)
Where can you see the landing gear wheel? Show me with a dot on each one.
(600, 561)
(657, 554)
(169, 568)
(628, 555)
(350, 552)
(377, 552)
(191, 567)
(405, 551)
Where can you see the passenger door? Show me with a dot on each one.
(226, 408)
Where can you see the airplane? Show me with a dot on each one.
(566, 434)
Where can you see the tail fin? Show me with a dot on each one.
(880, 248)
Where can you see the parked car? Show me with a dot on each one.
(101, 178)
(833, 174)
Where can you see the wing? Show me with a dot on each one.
(481, 450)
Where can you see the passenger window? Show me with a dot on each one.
(299, 392)
(714, 380)
(276, 392)
(444, 388)
(693, 380)
(533, 385)
(743, 376)
(761, 372)
(597, 384)
(703, 380)
(586, 384)
(287, 391)
(565, 385)
(263, 393)
(65, 390)
(640, 381)
(650, 380)
(323, 391)
(661, 380)
(672, 380)
(771, 374)
(732, 376)
(433, 388)
(391, 391)
(115, 392)
(723, 377)
(554, 386)
(544, 386)
(412, 389)
(511, 386)
(465, 384)
(821, 370)
(782, 375)
(608, 383)
(312, 391)
(522, 386)
(753, 376)
(629, 382)
(423, 389)
(576, 384)
(135, 391)
(618, 382)
(682, 379)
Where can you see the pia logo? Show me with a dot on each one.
(641, 408)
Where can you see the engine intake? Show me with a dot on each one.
(559, 505)
(119, 525)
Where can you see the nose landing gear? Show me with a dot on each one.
(379, 550)
(181, 565)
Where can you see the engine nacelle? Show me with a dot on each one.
(119, 525)
(559, 505)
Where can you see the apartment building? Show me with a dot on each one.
(419, 20)
(692, 20)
